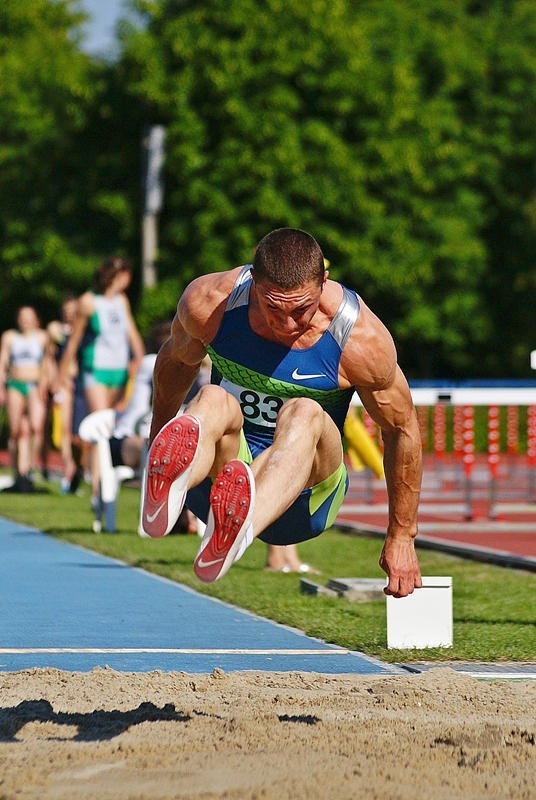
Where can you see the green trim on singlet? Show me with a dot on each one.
(242, 376)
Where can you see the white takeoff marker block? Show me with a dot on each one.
(424, 618)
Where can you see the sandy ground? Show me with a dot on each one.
(107, 734)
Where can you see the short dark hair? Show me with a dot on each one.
(289, 257)
(106, 272)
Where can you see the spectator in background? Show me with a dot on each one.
(24, 377)
(285, 558)
(106, 340)
(131, 427)
(104, 331)
(69, 404)
(131, 430)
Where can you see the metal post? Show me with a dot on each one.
(153, 146)
(531, 453)
(440, 439)
(493, 457)
(468, 457)
(148, 250)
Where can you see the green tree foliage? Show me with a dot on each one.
(43, 95)
(57, 217)
(400, 133)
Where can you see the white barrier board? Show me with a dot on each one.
(424, 618)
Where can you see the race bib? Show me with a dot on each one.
(258, 408)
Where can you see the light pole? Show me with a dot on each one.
(153, 192)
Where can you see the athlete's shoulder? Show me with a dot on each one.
(369, 358)
(213, 285)
(7, 339)
(55, 331)
(203, 302)
(86, 303)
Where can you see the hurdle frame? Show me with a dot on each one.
(511, 393)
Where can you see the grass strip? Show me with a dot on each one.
(494, 607)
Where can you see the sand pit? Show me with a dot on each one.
(107, 734)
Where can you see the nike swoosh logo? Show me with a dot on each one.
(297, 377)
(202, 563)
(152, 517)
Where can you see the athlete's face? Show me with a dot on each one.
(288, 312)
(69, 310)
(122, 280)
(27, 319)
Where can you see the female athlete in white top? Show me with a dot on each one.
(24, 378)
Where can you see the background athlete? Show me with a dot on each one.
(258, 452)
(24, 379)
(106, 343)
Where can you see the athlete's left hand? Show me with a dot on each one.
(399, 560)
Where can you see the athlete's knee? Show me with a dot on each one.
(217, 400)
(213, 394)
(302, 411)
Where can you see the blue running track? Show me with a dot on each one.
(71, 609)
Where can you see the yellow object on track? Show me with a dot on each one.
(57, 426)
(362, 449)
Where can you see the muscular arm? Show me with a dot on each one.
(172, 379)
(197, 319)
(48, 366)
(393, 410)
(385, 394)
(5, 350)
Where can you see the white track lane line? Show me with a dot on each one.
(172, 650)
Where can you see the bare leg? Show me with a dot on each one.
(131, 451)
(275, 557)
(244, 500)
(285, 558)
(18, 431)
(221, 421)
(24, 450)
(37, 417)
(292, 559)
(98, 398)
(69, 463)
(306, 450)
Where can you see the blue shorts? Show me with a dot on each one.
(313, 511)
